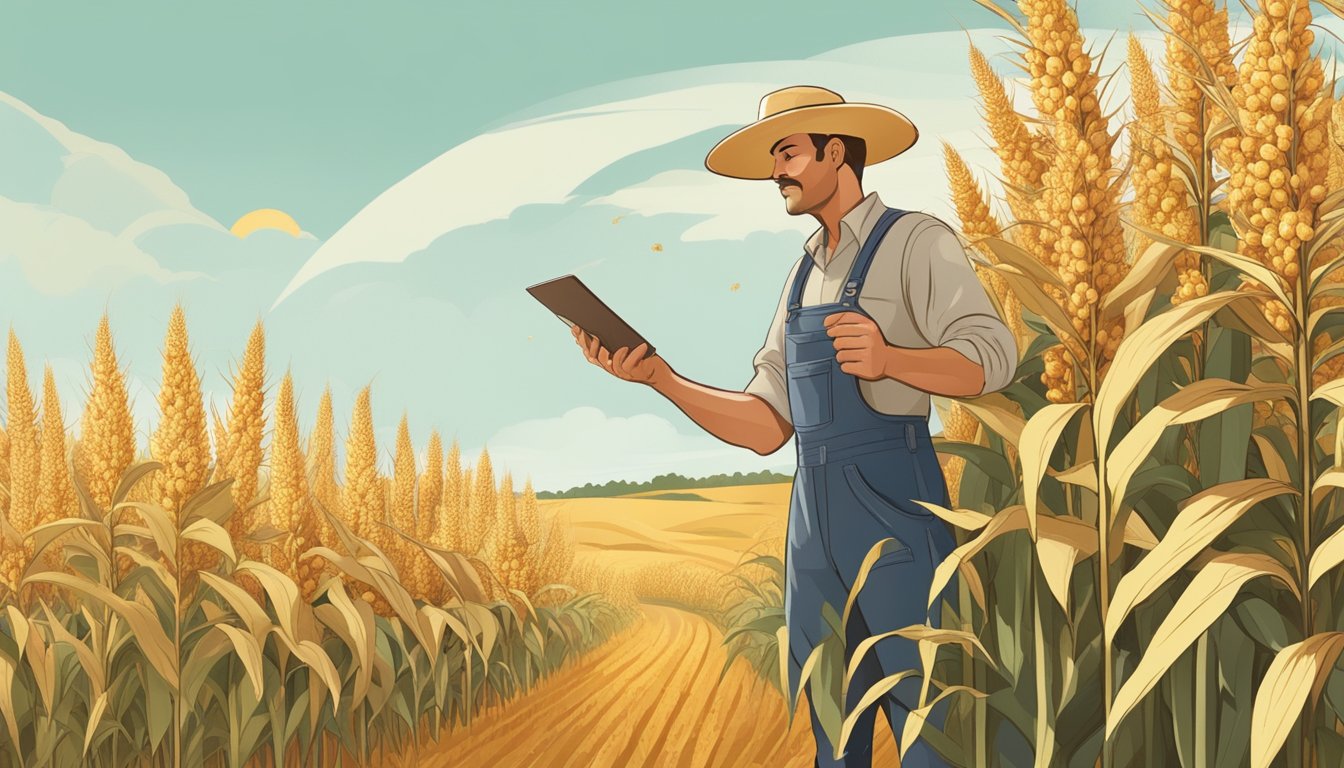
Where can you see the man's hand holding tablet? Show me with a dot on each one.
(636, 364)
(593, 323)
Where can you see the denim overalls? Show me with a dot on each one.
(858, 470)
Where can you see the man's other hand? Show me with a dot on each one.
(860, 347)
(629, 364)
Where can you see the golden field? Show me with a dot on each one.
(641, 529)
(662, 692)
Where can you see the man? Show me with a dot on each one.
(881, 310)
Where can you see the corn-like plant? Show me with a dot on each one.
(119, 646)
(1163, 537)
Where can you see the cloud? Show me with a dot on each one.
(586, 445)
(549, 156)
(61, 254)
(732, 208)
(98, 182)
(491, 175)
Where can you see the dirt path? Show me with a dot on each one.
(650, 697)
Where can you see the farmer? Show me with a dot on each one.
(881, 310)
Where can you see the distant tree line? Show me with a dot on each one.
(667, 482)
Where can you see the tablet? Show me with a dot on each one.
(575, 304)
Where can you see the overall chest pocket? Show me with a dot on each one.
(810, 393)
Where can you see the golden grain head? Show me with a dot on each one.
(107, 436)
(247, 422)
(56, 490)
(180, 442)
(363, 487)
(1022, 164)
(24, 456)
(1279, 165)
(403, 483)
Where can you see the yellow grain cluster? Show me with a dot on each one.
(963, 427)
(180, 442)
(1200, 25)
(481, 509)
(1161, 196)
(401, 506)
(106, 445)
(1203, 26)
(24, 467)
(418, 574)
(448, 531)
(24, 456)
(363, 502)
(290, 507)
(430, 500)
(1279, 161)
(220, 469)
(529, 517)
(513, 562)
(322, 466)
(1079, 203)
(247, 422)
(464, 506)
(56, 489)
(977, 223)
(1023, 155)
(240, 457)
(403, 479)
(422, 577)
(365, 493)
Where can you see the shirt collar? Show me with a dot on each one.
(854, 225)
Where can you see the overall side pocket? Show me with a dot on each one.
(878, 508)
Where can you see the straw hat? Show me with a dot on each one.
(745, 154)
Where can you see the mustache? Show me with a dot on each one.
(787, 183)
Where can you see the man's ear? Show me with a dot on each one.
(835, 151)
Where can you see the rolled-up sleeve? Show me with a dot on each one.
(768, 382)
(950, 306)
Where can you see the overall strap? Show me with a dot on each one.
(859, 271)
(799, 280)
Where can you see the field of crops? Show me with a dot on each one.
(1149, 520)
(650, 697)
(231, 603)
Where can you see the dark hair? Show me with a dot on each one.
(856, 150)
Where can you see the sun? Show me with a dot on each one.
(265, 218)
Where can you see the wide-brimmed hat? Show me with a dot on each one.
(745, 154)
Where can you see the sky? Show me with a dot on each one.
(438, 157)
(313, 107)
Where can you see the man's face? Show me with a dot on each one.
(805, 182)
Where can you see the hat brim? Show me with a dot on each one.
(745, 153)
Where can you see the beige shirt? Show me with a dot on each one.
(922, 292)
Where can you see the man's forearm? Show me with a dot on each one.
(938, 370)
(733, 417)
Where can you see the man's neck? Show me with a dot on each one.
(846, 197)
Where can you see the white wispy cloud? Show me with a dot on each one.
(104, 185)
(61, 254)
(544, 159)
